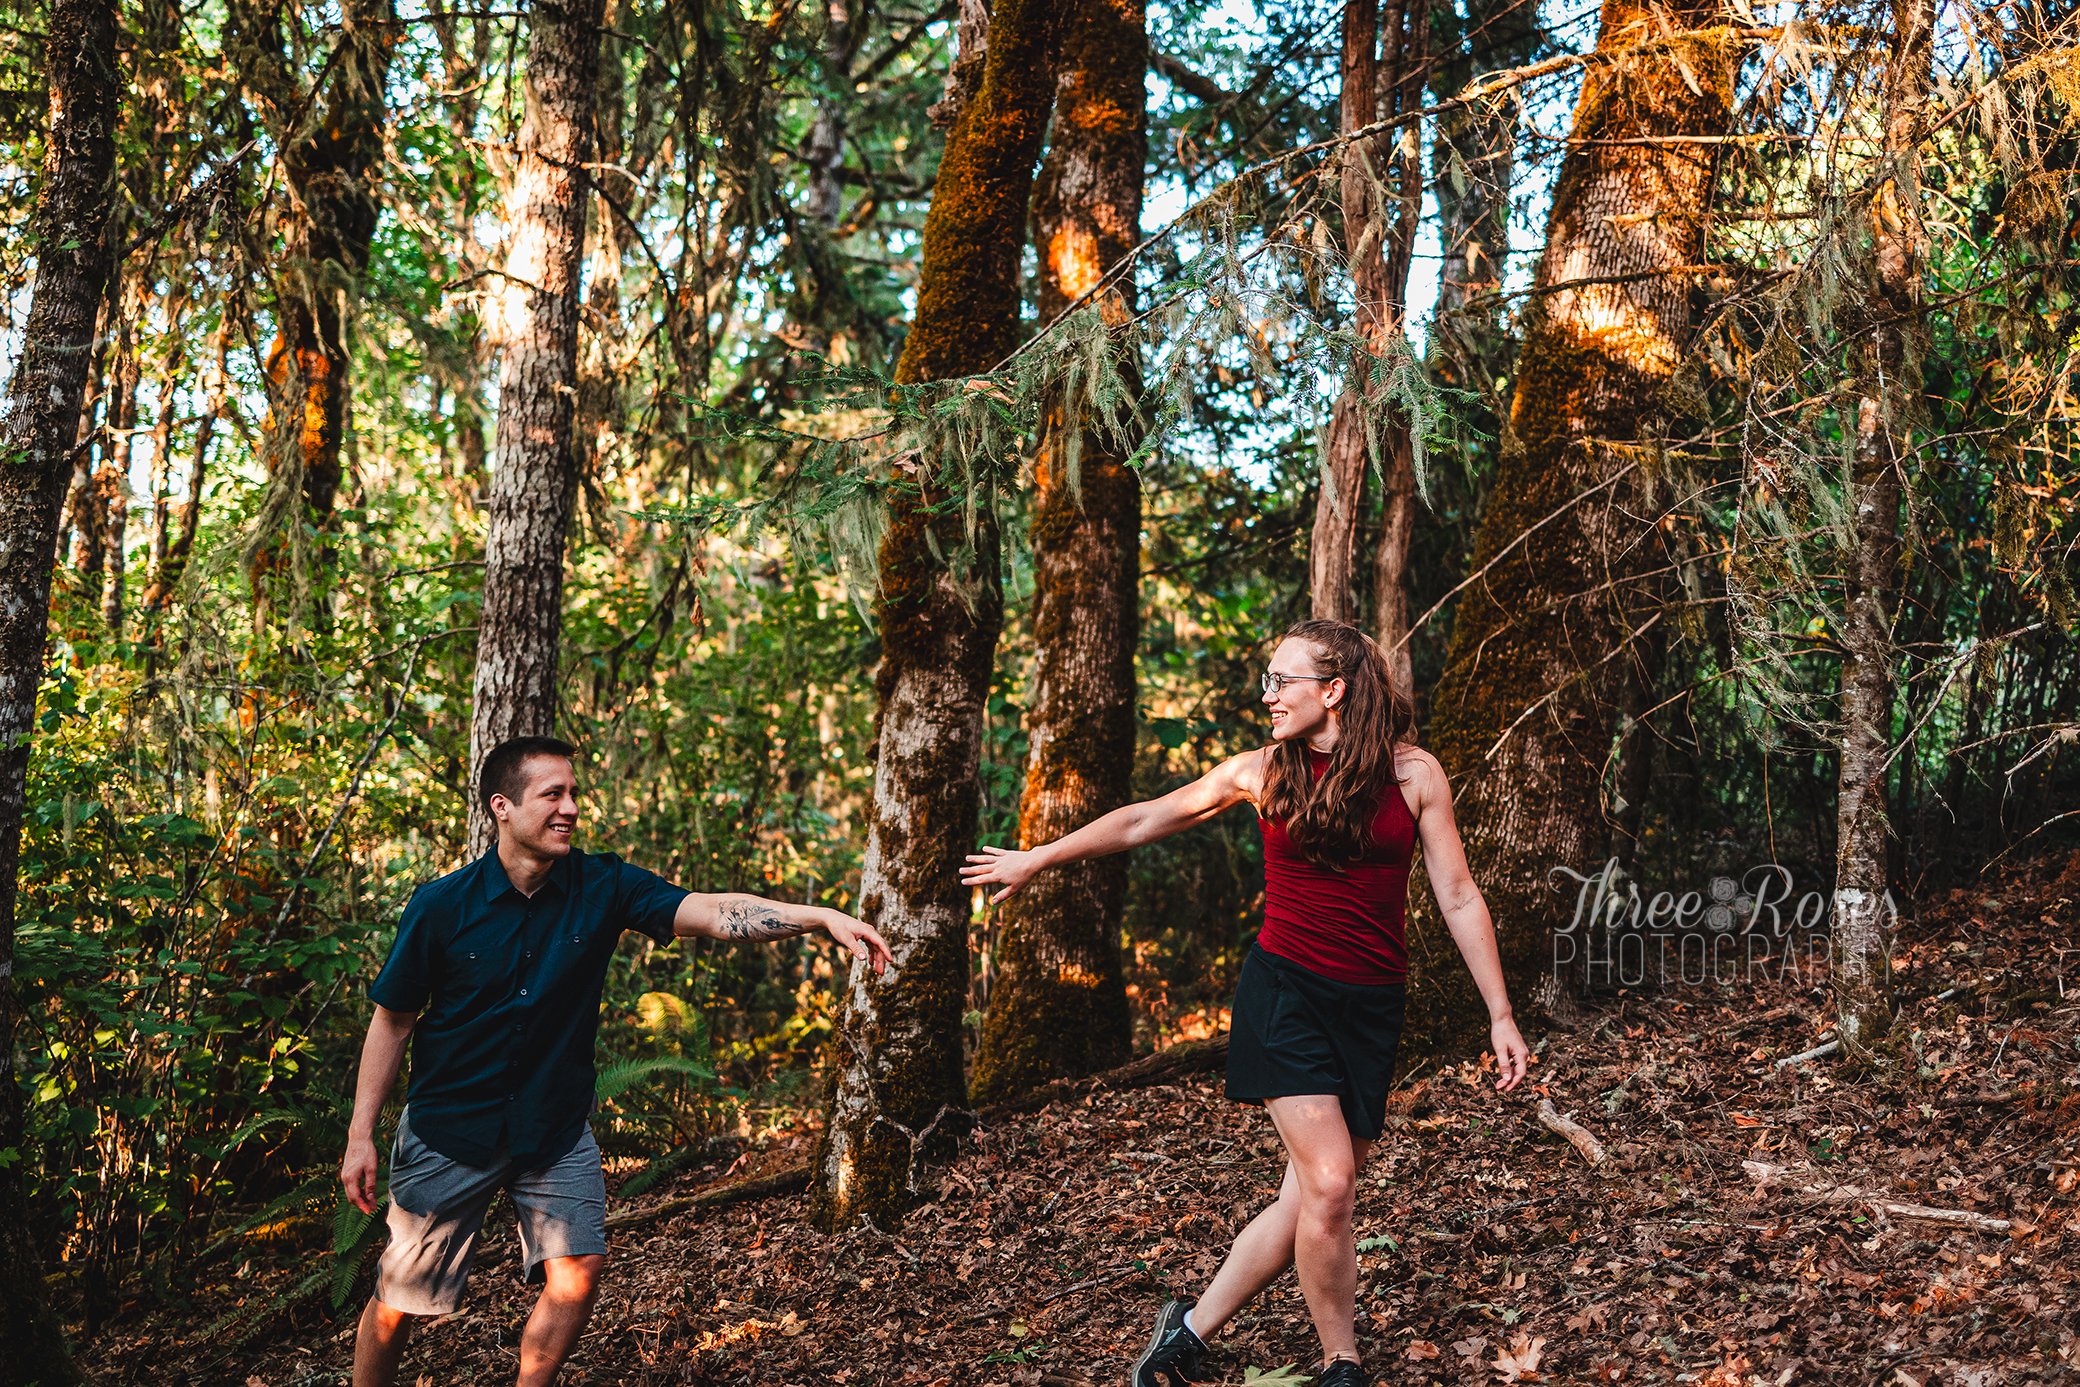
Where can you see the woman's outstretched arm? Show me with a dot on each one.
(1233, 781)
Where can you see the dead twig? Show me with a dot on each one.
(1577, 1135)
(1764, 1173)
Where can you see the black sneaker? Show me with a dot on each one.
(1173, 1350)
(1343, 1373)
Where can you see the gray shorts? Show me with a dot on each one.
(437, 1205)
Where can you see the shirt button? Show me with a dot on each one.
(523, 992)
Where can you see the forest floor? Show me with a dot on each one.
(1491, 1251)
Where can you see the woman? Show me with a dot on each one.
(1341, 801)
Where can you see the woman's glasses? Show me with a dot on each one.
(1275, 683)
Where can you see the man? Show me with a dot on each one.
(497, 971)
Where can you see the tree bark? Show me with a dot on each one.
(534, 465)
(39, 425)
(1522, 716)
(1059, 1006)
(329, 163)
(899, 1058)
(1401, 91)
(1861, 928)
(1474, 174)
(1381, 193)
(1340, 500)
(112, 477)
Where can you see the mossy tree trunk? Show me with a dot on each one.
(39, 426)
(534, 467)
(1058, 1009)
(899, 1071)
(1522, 717)
(330, 153)
(1862, 922)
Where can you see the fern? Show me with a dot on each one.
(353, 1234)
(620, 1076)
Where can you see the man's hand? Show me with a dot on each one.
(1005, 867)
(1512, 1055)
(860, 938)
(357, 1173)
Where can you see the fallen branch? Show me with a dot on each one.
(1577, 1135)
(1826, 1048)
(788, 1180)
(1834, 1193)
(1829, 1047)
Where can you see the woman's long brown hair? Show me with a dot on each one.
(1330, 820)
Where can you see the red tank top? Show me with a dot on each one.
(1346, 924)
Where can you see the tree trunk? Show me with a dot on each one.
(1522, 716)
(1863, 917)
(1340, 501)
(1473, 174)
(1401, 91)
(169, 564)
(534, 467)
(1059, 1007)
(1381, 192)
(899, 1068)
(329, 164)
(39, 425)
(112, 477)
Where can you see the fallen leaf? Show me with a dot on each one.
(1422, 1350)
(1519, 1363)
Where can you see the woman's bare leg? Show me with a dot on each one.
(1325, 1165)
(1264, 1249)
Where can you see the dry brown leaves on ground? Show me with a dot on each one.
(1490, 1252)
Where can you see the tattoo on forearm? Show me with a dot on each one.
(756, 921)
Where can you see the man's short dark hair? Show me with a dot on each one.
(502, 773)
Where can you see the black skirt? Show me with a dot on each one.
(1295, 1032)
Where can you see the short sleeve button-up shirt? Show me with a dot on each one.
(507, 988)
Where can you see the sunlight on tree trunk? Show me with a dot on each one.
(534, 468)
(1059, 1006)
(1522, 717)
(1863, 916)
(899, 1063)
(39, 422)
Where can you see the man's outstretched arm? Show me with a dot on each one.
(382, 1055)
(734, 915)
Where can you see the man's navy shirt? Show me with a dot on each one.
(507, 988)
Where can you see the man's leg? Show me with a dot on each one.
(569, 1287)
(379, 1344)
(563, 1233)
(1262, 1251)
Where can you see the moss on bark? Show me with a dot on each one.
(899, 1062)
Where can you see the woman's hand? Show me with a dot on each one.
(1512, 1055)
(859, 937)
(1005, 867)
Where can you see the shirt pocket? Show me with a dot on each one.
(473, 970)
